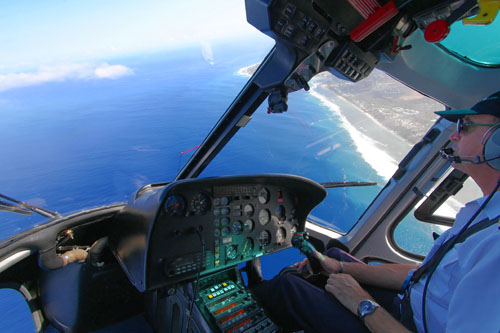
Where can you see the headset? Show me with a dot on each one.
(491, 151)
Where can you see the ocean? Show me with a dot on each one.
(82, 142)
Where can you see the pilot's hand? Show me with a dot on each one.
(303, 267)
(329, 265)
(347, 290)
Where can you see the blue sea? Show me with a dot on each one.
(79, 143)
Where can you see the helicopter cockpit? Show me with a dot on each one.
(169, 259)
(347, 39)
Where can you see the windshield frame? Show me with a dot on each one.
(465, 59)
(272, 72)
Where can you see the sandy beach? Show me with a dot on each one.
(390, 103)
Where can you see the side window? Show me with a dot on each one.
(15, 315)
(435, 213)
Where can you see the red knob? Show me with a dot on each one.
(436, 31)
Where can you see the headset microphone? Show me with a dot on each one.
(447, 154)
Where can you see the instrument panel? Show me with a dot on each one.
(168, 233)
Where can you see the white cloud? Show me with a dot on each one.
(207, 52)
(83, 71)
(112, 72)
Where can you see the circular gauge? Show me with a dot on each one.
(200, 203)
(265, 238)
(225, 231)
(224, 221)
(280, 235)
(231, 252)
(247, 247)
(249, 225)
(264, 216)
(224, 201)
(293, 229)
(174, 205)
(264, 195)
(217, 233)
(248, 210)
(237, 227)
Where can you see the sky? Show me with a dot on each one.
(35, 33)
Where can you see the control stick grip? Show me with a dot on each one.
(299, 241)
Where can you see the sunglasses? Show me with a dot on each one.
(462, 126)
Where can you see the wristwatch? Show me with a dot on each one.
(366, 307)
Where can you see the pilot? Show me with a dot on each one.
(456, 289)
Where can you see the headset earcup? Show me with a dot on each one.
(492, 150)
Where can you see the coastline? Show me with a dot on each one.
(382, 134)
(247, 71)
(390, 115)
(390, 104)
(384, 138)
(373, 142)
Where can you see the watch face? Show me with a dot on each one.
(366, 307)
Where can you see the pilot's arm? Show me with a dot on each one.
(389, 276)
(345, 287)
(348, 291)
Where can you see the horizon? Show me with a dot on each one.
(112, 68)
(55, 32)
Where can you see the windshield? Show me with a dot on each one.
(98, 100)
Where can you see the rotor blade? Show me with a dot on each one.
(42, 211)
(346, 184)
(5, 206)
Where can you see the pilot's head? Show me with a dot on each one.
(477, 140)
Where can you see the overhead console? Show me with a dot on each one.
(349, 37)
(168, 232)
(320, 31)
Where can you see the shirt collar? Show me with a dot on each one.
(491, 210)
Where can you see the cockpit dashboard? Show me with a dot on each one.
(169, 233)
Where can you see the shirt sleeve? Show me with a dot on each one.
(476, 299)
